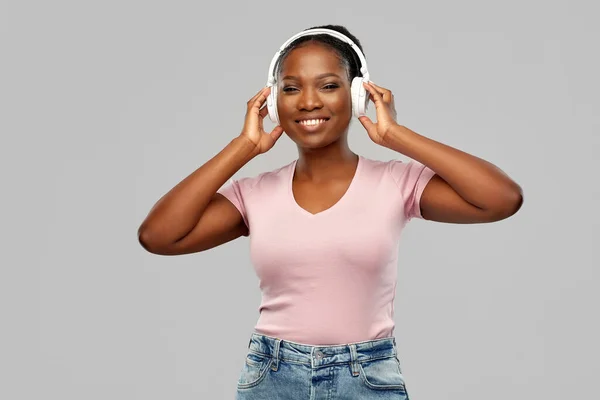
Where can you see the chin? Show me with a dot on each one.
(313, 141)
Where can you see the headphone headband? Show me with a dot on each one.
(318, 31)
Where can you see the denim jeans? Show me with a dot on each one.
(277, 369)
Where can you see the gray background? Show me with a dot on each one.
(107, 105)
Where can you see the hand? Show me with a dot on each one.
(386, 113)
(253, 125)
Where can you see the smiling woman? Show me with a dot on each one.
(314, 88)
(325, 227)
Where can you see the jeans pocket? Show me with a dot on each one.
(382, 374)
(254, 370)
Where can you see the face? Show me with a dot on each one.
(313, 86)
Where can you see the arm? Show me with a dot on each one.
(192, 216)
(464, 189)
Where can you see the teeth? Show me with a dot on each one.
(310, 122)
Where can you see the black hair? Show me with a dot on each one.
(348, 57)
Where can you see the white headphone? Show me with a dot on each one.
(360, 99)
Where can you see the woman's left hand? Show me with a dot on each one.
(386, 113)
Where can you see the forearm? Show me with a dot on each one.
(177, 212)
(477, 181)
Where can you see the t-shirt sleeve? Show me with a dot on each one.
(235, 191)
(411, 178)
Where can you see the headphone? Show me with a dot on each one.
(360, 99)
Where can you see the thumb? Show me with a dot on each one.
(276, 133)
(367, 123)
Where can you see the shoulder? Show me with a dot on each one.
(384, 168)
(263, 180)
(402, 172)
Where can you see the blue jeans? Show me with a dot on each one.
(277, 369)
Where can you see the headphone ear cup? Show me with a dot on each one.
(272, 105)
(360, 97)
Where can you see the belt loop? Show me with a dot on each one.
(353, 360)
(275, 363)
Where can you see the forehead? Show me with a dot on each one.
(311, 58)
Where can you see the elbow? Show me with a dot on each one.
(147, 242)
(155, 245)
(144, 240)
(510, 205)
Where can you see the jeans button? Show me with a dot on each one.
(319, 354)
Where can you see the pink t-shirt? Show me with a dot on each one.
(329, 278)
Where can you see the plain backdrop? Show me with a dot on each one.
(105, 106)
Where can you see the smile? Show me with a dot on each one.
(313, 124)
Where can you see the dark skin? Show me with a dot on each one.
(465, 189)
(314, 83)
(193, 217)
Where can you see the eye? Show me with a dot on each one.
(289, 89)
(330, 86)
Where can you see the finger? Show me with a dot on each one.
(381, 106)
(263, 111)
(251, 100)
(388, 97)
(260, 100)
(367, 123)
(379, 89)
(385, 93)
(375, 95)
(377, 86)
(257, 95)
(276, 133)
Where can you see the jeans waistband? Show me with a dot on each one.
(321, 355)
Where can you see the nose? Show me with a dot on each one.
(309, 99)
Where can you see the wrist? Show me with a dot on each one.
(395, 136)
(244, 148)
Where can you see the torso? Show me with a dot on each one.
(326, 254)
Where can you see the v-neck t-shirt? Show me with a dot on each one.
(329, 278)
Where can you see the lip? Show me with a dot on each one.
(312, 117)
(312, 128)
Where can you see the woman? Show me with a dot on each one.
(325, 227)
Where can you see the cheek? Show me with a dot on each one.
(343, 100)
(342, 106)
(285, 108)
(283, 103)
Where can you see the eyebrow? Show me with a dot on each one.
(325, 75)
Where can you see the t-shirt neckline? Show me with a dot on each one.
(335, 206)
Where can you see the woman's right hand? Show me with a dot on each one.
(253, 125)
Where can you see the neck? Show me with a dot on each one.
(325, 163)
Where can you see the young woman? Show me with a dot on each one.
(324, 228)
